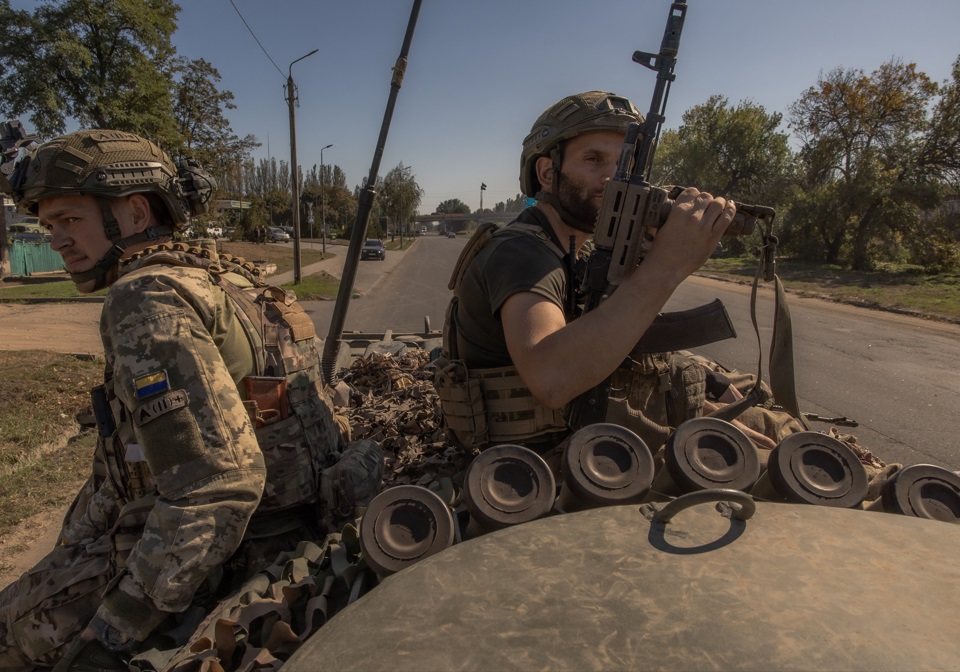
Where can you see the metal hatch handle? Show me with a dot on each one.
(744, 509)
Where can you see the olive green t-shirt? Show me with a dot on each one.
(511, 263)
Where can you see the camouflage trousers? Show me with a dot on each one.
(49, 605)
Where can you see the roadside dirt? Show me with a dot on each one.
(68, 327)
(71, 328)
(29, 543)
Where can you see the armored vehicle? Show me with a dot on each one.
(703, 554)
(708, 555)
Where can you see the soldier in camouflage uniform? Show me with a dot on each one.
(515, 357)
(214, 424)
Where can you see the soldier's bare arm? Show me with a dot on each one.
(558, 361)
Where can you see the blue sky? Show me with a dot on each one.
(480, 71)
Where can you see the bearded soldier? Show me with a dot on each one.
(214, 423)
(517, 357)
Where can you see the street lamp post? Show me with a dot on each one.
(323, 205)
(483, 188)
(294, 169)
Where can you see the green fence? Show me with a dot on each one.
(28, 257)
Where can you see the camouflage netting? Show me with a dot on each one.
(393, 402)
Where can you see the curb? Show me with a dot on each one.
(75, 299)
(857, 303)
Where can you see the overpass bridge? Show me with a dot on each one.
(460, 222)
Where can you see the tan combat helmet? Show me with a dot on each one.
(112, 164)
(580, 113)
(107, 164)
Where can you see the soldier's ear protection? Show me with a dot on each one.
(196, 186)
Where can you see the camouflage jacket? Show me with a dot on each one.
(188, 465)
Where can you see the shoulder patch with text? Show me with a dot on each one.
(154, 408)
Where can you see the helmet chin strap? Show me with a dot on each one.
(102, 270)
(552, 198)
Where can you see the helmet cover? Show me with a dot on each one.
(107, 163)
(568, 118)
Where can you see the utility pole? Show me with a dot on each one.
(323, 205)
(294, 168)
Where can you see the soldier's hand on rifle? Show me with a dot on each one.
(691, 233)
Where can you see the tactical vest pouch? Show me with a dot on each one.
(461, 399)
(492, 406)
(300, 432)
(513, 413)
(292, 476)
(655, 394)
(266, 401)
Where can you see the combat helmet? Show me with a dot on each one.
(580, 113)
(108, 164)
(111, 164)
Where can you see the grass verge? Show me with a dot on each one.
(44, 456)
(900, 288)
(317, 287)
(281, 255)
(54, 288)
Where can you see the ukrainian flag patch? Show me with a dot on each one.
(151, 384)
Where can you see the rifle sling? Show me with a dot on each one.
(782, 381)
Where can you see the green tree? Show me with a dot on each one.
(334, 203)
(452, 206)
(199, 107)
(516, 204)
(103, 63)
(399, 197)
(875, 153)
(738, 152)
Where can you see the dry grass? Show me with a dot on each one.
(44, 456)
(281, 255)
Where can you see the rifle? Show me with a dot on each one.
(632, 211)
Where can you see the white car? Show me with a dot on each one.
(278, 235)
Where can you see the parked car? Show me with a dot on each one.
(28, 229)
(278, 235)
(373, 249)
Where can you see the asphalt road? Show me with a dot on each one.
(898, 377)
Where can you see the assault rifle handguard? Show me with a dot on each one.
(632, 211)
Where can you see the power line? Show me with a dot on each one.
(256, 40)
